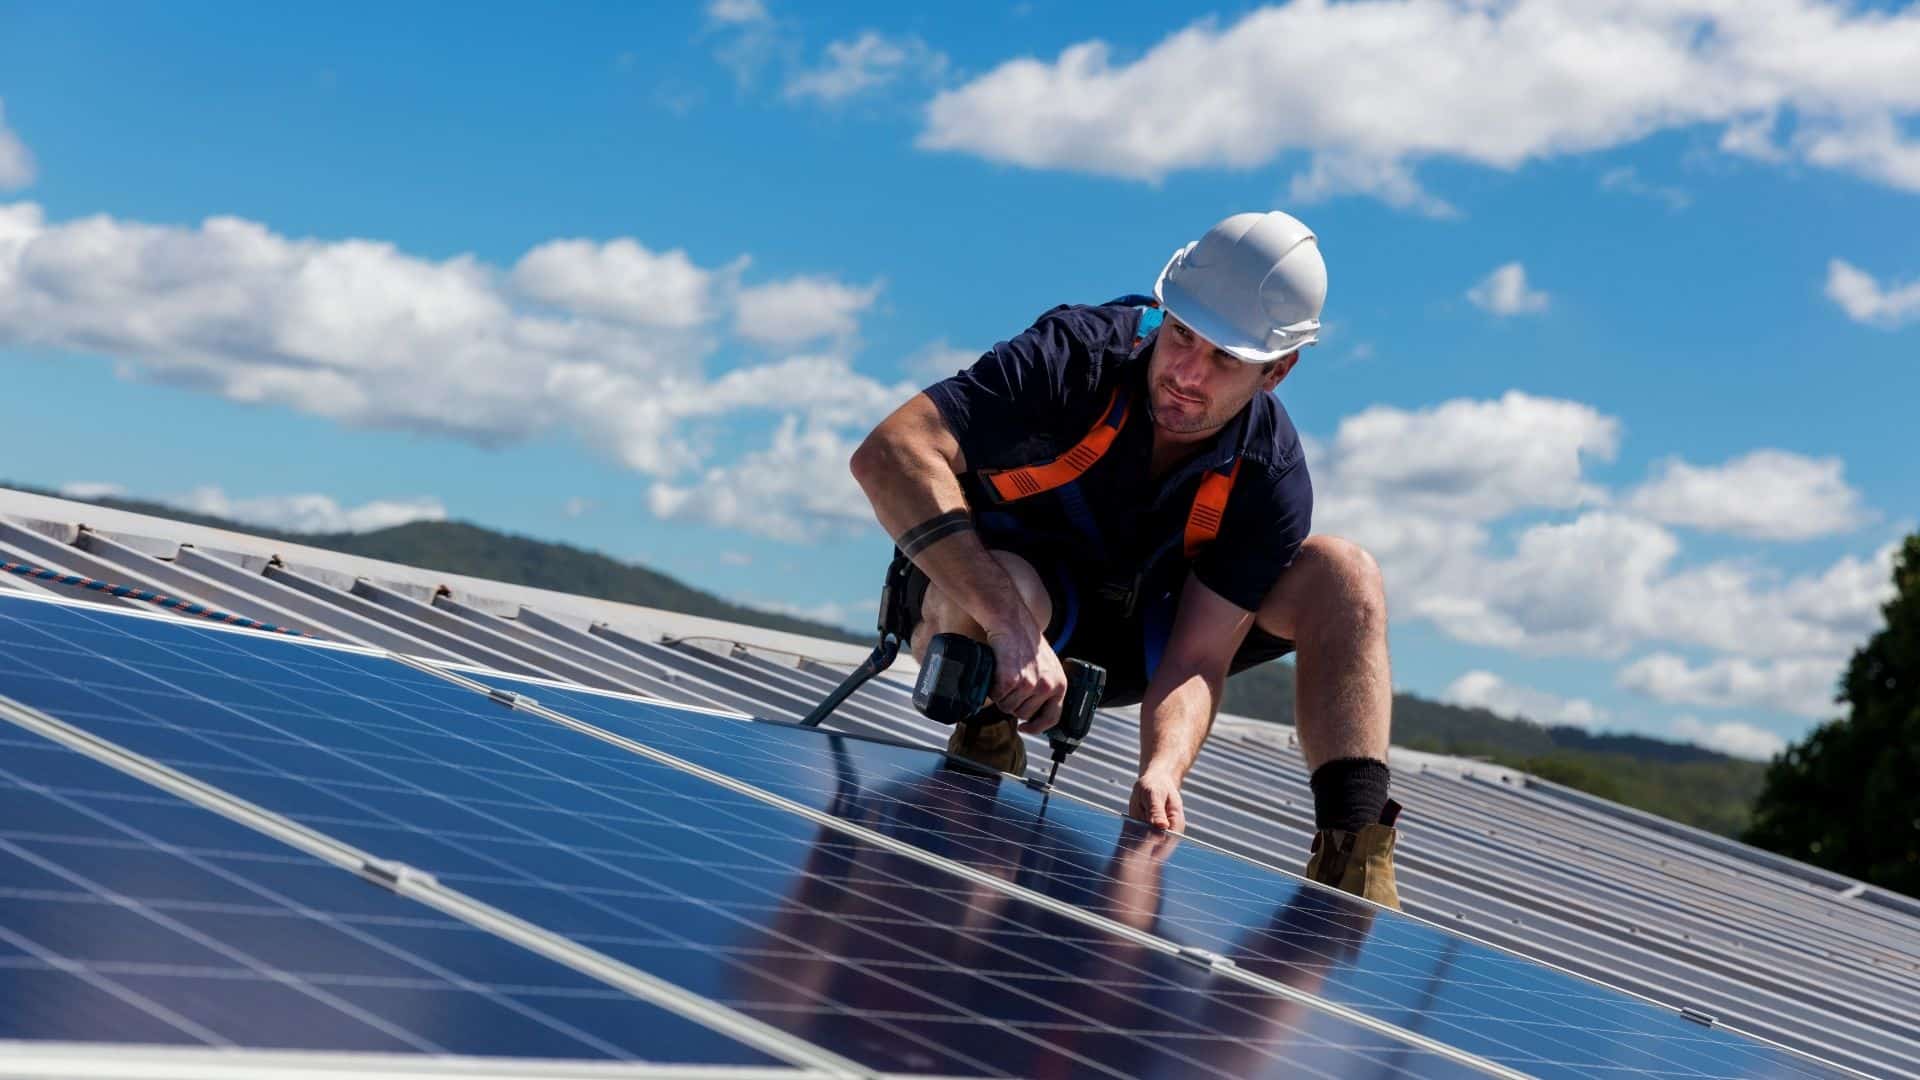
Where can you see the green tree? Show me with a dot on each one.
(1848, 797)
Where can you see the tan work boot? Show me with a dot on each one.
(996, 744)
(1359, 863)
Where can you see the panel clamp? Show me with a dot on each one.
(1206, 958)
(1695, 1015)
(394, 876)
(510, 699)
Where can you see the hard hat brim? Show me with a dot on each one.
(1184, 306)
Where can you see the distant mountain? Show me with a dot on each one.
(456, 547)
(1676, 780)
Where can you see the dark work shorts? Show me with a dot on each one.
(1085, 627)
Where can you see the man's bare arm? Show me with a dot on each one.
(910, 466)
(1180, 703)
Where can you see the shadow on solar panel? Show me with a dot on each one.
(634, 881)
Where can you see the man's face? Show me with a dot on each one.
(1196, 388)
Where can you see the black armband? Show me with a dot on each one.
(934, 529)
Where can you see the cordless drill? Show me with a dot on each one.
(958, 672)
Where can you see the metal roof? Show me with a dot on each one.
(1784, 951)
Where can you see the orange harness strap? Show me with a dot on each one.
(1209, 505)
(1011, 484)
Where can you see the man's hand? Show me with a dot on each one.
(1156, 800)
(1028, 681)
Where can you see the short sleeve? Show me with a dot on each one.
(1260, 534)
(1033, 382)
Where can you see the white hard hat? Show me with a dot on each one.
(1253, 285)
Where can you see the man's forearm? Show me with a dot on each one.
(917, 498)
(1175, 716)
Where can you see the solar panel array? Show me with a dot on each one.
(885, 911)
(841, 844)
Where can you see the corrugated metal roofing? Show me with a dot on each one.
(1778, 949)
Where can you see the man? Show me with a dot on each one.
(1118, 484)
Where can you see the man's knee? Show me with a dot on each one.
(939, 614)
(1332, 578)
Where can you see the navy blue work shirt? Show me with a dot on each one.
(1033, 398)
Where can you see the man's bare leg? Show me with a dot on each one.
(1332, 604)
(997, 746)
(940, 615)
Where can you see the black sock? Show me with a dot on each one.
(1349, 794)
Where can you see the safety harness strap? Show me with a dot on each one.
(1209, 503)
(1010, 484)
(1209, 506)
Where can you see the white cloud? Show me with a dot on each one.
(1731, 738)
(1764, 494)
(1372, 87)
(1803, 685)
(736, 12)
(360, 332)
(618, 280)
(92, 489)
(1504, 292)
(1861, 296)
(865, 63)
(1626, 179)
(736, 558)
(576, 507)
(797, 490)
(802, 309)
(16, 161)
(1477, 460)
(1604, 582)
(1485, 690)
(309, 513)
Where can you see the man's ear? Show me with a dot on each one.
(1280, 369)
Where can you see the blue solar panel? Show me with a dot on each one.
(129, 915)
(870, 953)
(1423, 979)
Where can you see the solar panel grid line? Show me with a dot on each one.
(601, 696)
(1634, 880)
(175, 578)
(33, 1060)
(991, 882)
(339, 937)
(1556, 957)
(352, 652)
(428, 891)
(314, 609)
(1660, 976)
(214, 944)
(1532, 952)
(1753, 910)
(346, 650)
(446, 645)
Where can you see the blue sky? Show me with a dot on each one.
(1624, 314)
